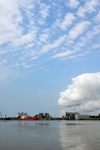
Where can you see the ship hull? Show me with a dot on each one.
(29, 119)
(5, 118)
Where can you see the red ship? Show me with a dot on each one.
(29, 118)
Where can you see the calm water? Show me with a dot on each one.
(50, 135)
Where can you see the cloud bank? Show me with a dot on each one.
(83, 94)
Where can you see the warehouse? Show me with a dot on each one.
(81, 116)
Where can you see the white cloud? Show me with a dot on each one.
(11, 17)
(2, 51)
(4, 61)
(30, 45)
(29, 13)
(23, 64)
(27, 66)
(68, 20)
(73, 3)
(74, 56)
(17, 65)
(24, 39)
(96, 46)
(56, 44)
(43, 38)
(83, 94)
(63, 54)
(78, 29)
(97, 17)
(88, 36)
(96, 30)
(44, 10)
(90, 6)
(7, 73)
(11, 24)
(34, 58)
(84, 39)
(20, 21)
(41, 21)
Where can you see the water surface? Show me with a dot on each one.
(49, 135)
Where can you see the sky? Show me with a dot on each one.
(49, 56)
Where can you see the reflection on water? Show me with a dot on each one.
(32, 124)
(71, 138)
(42, 124)
(80, 135)
(71, 124)
(50, 135)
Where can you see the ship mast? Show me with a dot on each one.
(0, 114)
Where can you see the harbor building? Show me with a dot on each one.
(40, 115)
(19, 115)
(81, 116)
(47, 116)
(44, 116)
(70, 115)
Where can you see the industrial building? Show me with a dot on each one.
(19, 115)
(81, 116)
(44, 116)
(70, 115)
(75, 115)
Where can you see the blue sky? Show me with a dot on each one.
(49, 56)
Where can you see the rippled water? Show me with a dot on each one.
(49, 135)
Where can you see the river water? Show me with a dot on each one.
(49, 135)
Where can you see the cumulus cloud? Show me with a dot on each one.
(83, 94)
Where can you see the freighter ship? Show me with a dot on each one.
(28, 118)
(8, 118)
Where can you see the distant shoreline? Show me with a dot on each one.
(53, 119)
